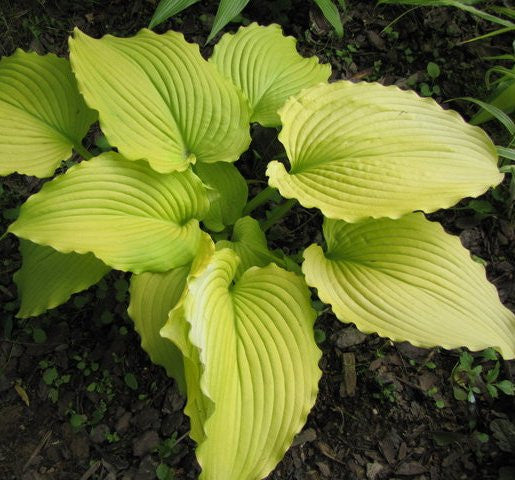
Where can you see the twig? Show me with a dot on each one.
(90, 471)
(36, 451)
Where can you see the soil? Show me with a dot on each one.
(80, 400)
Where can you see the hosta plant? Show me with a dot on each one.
(232, 321)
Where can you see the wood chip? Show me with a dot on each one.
(410, 468)
(305, 436)
(349, 375)
(388, 450)
(324, 469)
(402, 451)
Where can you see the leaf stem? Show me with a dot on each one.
(262, 197)
(82, 151)
(277, 213)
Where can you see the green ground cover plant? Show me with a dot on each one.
(226, 317)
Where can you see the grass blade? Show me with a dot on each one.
(493, 110)
(508, 153)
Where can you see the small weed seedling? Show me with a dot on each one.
(472, 379)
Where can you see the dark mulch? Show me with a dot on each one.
(87, 404)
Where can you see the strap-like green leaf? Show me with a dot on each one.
(407, 279)
(360, 150)
(249, 242)
(259, 362)
(227, 190)
(465, 5)
(331, 13)
(167, 9)
(503, 98)
(48, 278)
(42, 115)
(153, 295)
(128, 215)
(159, 100)
(495, 112)
(227, 10)
(267, 67)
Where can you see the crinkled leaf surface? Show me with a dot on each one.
(153, 295)
(125, 213)
(199, 407)
(249, 242)
(47, 278)
(227, 190)
(407, 279)
(159, 100)
(257, 362)
(360, 150)
(267, 67)
(42, 114)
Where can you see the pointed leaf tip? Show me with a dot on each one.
(171, 112)
(253, 365)
(407, 279)
(47, 278)
(360, 150)
(42, 114)
(266, 66)
(128, 215)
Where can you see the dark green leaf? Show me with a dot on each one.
(492, 391)
(492, 374)
(77, 420)
(131, 381)
(481, 206)
(433, 70)
(167, 9)
(466, 360)
(39, 335)
(50, 375)
(459, 394)
(489, 354)
(163, 472)
(319, 336)
(506, 387)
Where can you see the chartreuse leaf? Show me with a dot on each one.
(256, 364)
(153, 295)
(176, 109)
(125, 213)
(42, 115)
(227, 190)
(249, 242)
(227, 10)
(168, 8)
(360, 150)
(47, 278)
(199, 407)
(407, 279)
(267, 67)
